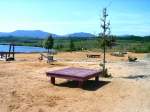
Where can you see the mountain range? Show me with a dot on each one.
(42, 34)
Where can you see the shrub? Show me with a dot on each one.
(132, 59)
(118, 54)
(105, 72)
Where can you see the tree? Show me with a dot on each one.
(106, 39)
(72, 47)
(48, 43)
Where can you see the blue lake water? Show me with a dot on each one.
(25, 49)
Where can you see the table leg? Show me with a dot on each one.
(80, 84)
(53, 80)
(97, 78)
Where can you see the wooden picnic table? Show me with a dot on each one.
(77, 74)
(93, 55)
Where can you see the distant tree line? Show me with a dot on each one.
(130, 43)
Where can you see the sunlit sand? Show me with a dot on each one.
(25, 88)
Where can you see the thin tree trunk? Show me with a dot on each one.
(104, 26)
(104, 60)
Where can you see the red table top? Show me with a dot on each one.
(74, 72)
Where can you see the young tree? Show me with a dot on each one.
(106, 39)
(72, 46)
(48, 43)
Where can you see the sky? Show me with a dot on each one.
(68, 16)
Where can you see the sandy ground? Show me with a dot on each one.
(24, 86)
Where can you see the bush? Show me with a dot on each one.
(105, 73)
(132, 59)
(118, 54)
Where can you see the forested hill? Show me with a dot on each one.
(42, 34)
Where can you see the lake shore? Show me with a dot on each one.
(25, 87)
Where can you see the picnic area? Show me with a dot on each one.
(25, 86)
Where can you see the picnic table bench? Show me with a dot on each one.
(77, 74)
(48, 57)
(93, 55)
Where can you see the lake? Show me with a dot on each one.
(25, 49)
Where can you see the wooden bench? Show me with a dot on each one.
(77, 74)
(5, 56)
(93, 55)
(49, 58)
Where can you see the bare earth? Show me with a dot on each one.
(24, 86)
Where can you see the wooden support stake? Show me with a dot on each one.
(13, 51)
(53, 80)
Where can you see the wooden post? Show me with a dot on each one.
(13, 51)
(97, 78)
(1, 55)
(6, 57)
(53, 80)
(9, 50)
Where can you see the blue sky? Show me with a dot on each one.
(69, 16)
